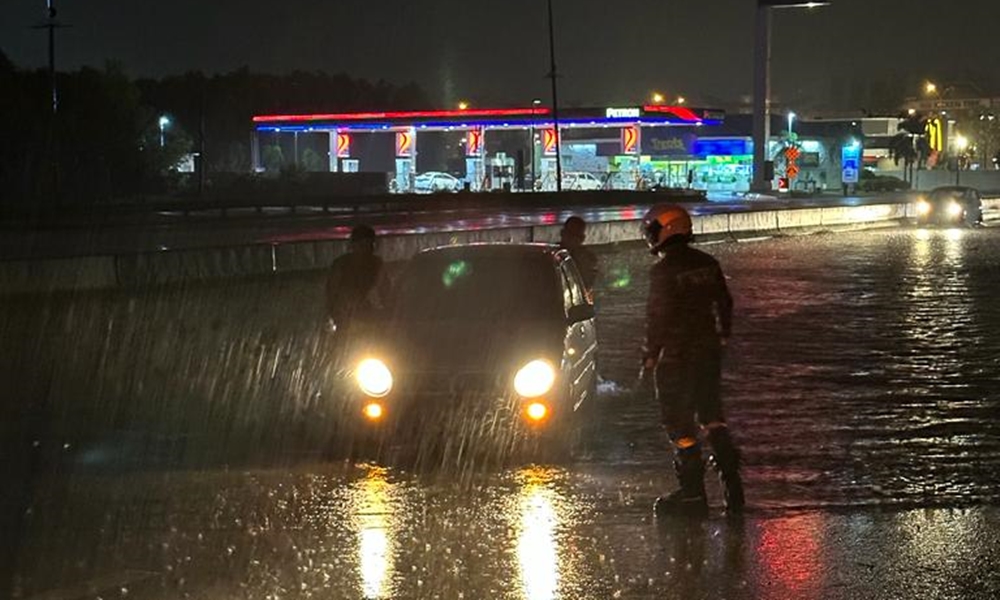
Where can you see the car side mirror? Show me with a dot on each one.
(582, 312)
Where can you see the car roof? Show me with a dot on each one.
(495, 250)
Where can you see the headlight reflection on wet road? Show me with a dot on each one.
(373, 519)
(537, 543)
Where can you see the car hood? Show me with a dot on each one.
(434, 346)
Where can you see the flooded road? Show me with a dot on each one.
(177, 439)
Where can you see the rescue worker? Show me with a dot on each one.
(689, 312)
(571, 237)
(353, 280)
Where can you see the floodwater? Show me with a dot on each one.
(175, 446)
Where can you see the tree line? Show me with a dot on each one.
(104, 143)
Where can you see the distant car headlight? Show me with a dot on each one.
(373, 377)
(535, 379)
(923, 207)
(954, 209)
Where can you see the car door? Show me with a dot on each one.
(580, 349)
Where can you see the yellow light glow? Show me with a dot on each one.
(961, 142)
(537, 544)
(657, 98)
(923, 207)
(954, 209)
(372, 507)
(463, 105)
(537, 411)
(681, 100)
(930, 88)
(374, 411)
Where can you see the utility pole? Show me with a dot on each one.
(555, 99)
(51, 25)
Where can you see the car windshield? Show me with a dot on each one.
(479, 288)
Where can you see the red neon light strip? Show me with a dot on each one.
(679, 111)
(419, 114)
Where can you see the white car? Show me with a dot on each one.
(581, 181)
(435, 181)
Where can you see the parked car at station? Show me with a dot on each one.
(493, 342)
(436, 181)
(950, 205)
(581, 181)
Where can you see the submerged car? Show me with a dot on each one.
(497, 339)
(950, 205)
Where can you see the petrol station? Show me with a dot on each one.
(492, 162)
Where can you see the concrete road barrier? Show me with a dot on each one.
(87, 273)
(174, 266)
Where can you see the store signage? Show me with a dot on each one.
(343, 145)
(630, 140)
(549, 142)
(850, 163)
(622, 113)
(474, 142)
(404, 143)
(935, 137)
(723, 147)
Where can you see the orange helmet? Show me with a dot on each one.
(663, 222)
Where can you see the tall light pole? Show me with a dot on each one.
(555, 99)
(164, 123)
(762, 84)
(51, 25)
(534, 115)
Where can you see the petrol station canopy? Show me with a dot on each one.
(492, 118)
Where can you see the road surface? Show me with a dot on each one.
(180, 429)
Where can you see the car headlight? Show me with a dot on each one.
(954, 209)
(373, 377)
(923, 207)
(534, 379)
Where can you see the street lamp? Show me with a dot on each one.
(164, 123)
(534, 111)
(555, 97)
(930, 88)
(657, 98)
(762, 84)
(681, 100)
(463, 105)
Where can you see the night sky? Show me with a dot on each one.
(495, 53)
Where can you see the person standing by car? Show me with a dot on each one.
(353, 280)
(689, 313)
(571, 237)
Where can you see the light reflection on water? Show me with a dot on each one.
(370, 499)
(539, 518)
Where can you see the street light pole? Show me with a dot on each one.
(534, 117)
(164, 121)
(555, 99)
(762, 85)
(51, 25)
(761, 96)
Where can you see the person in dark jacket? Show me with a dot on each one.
(571, 237)
(353, 280)
(689, 314)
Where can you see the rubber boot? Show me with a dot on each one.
(690, 499)
(725, 459)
